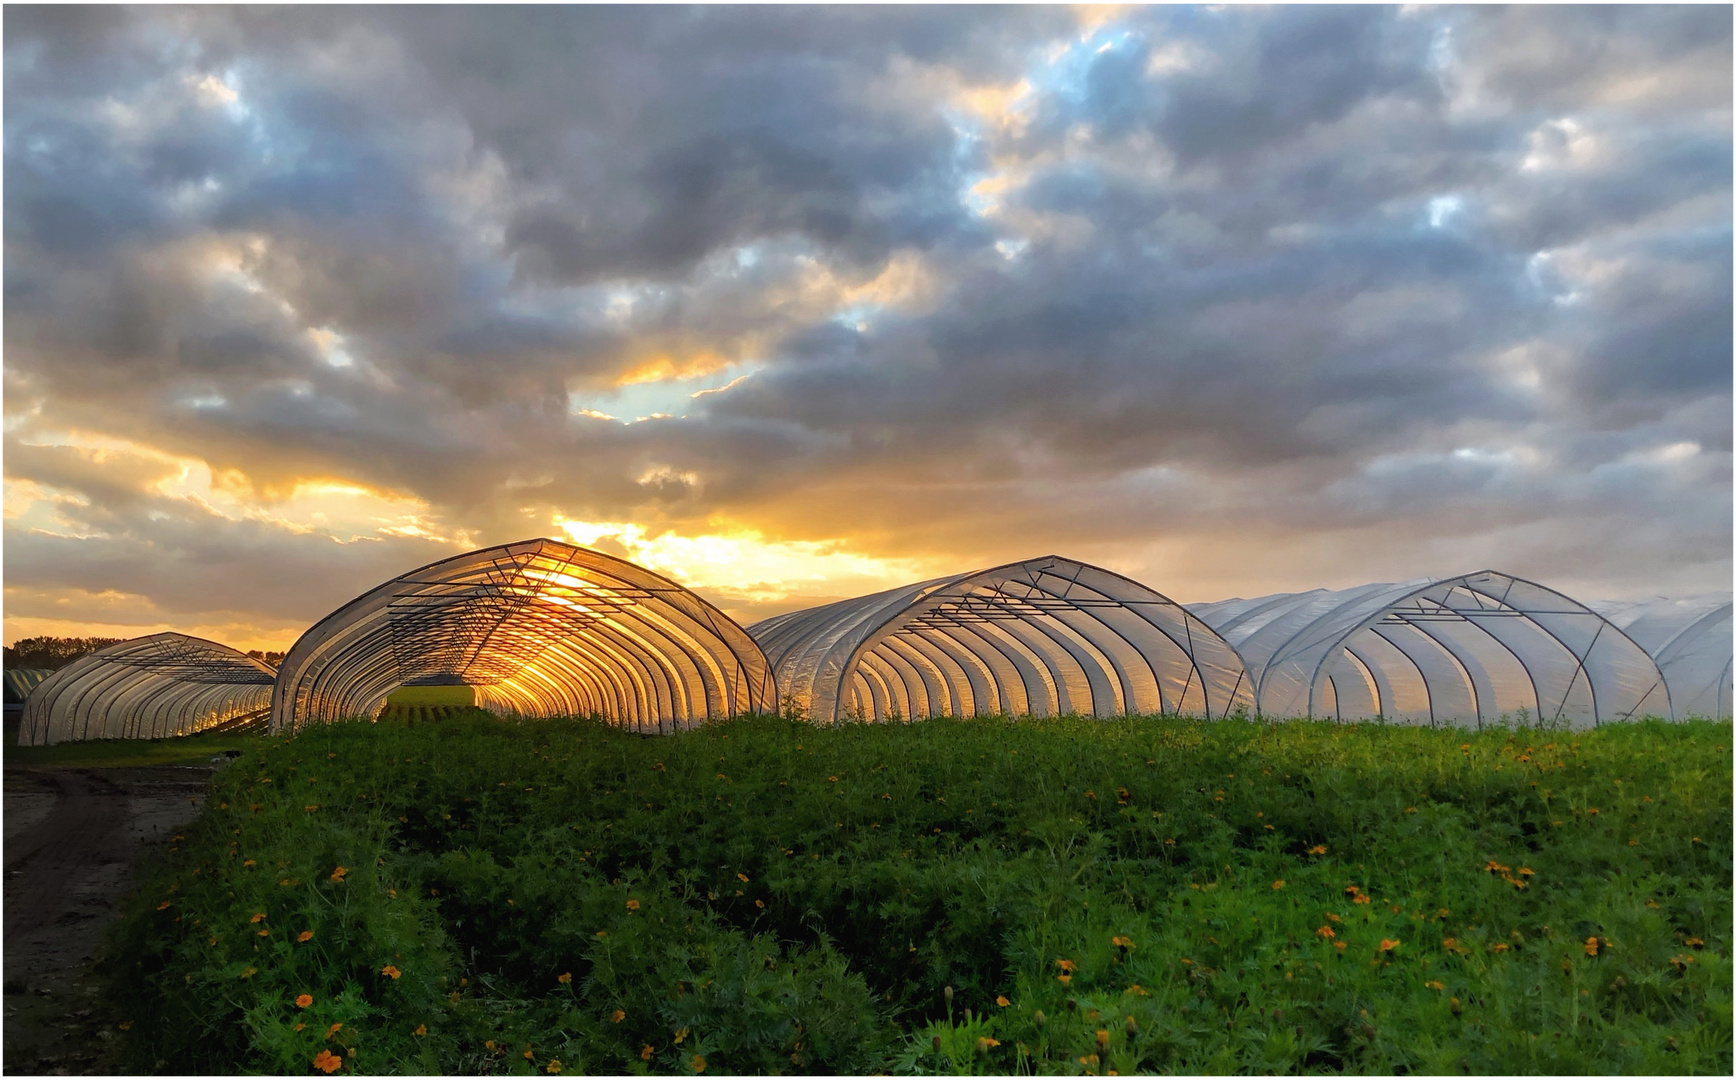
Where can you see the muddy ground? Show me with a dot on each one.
(73, 837)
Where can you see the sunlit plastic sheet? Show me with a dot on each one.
(1044, 637)
(1690, 640)
(537, 628)
(1480, 649)
(20, 681)
(147, 688)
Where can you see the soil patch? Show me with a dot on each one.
(73, 837)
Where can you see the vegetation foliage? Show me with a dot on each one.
(53, 653)
(951, 896)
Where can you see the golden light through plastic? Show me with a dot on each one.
(537, 628)
(147, 688)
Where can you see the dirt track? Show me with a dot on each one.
(72, 838)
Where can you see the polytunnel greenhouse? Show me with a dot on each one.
(1690, 640)
(1046, 636)
(536, 628)
(147, 688)
(1468, 650)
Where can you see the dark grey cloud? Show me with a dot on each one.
(999, 280)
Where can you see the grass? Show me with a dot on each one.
(1056, 896)
(128, 753)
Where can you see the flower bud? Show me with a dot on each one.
(948, 993)
(1132, 1027)
(1039, 1019)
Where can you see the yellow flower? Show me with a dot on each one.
(554, 1066)
(565, 977)
(1326, 932)
(304, 1001)
(326, 1061)
(305, 935)
(338, 874)
(632, 905)
(1389, 944)
(1317, 849)
(680, 1036)
(1001, 1000)
(1279, 884)
(645, 1052)
(1064, 979)
(390, 971)
(249, 973)
(618, 1016)
(742, 876)
(1591, 944)
(697, 1064)
(1435, 984)
(334, 1029)
(1067, 965)
(1499, 946)
(248, 862)
(162, 905)
(421, 1029)
(258, 918)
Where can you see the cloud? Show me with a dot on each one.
(1234, 299)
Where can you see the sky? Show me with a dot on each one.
(795, 304)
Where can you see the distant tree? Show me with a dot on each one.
(269, 659)
(51, 653)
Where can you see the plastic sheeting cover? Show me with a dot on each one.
(538, 628)
(1045, 636)
(1468, 650)
(147, 688)
(1691, 641)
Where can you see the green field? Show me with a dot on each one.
(129, 753)
(761, 896)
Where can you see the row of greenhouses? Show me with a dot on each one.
(544, 628)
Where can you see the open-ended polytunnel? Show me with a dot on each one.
(1471, 650)
(147, 688)
(536, 628)
(1690, 640)
(1046, 636)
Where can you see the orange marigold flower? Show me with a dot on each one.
(632, 905)
(249, 973)
(1526, 871)
(248, 862)
(1359, 898)
(334, 1029)
(305, 935)
(554, 1066)
(697, 1064)
(258, 918)
(311, 808)
(304, 1001)
(565, 977)
(1339, 945)
(1692, 941)
(1499, 946)
(742, 876)
(1435, 984)
(1389, 944)
(162, 905)
(618, 1016)
(338, 874)
(326, 1061)
(1066, 965)
(421, 1029)
(1001, 1000)
(390, 971)
(1317, 849)
(645, 1052)
(265, 933)
(1121, 942)
(1591, 944)
(759, 903)
(1064, 979)
(1279, 884)
(1326, 932)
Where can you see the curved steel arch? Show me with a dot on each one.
(147, 688)
(538, 628)
(1040, 635)
(1512, 644)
